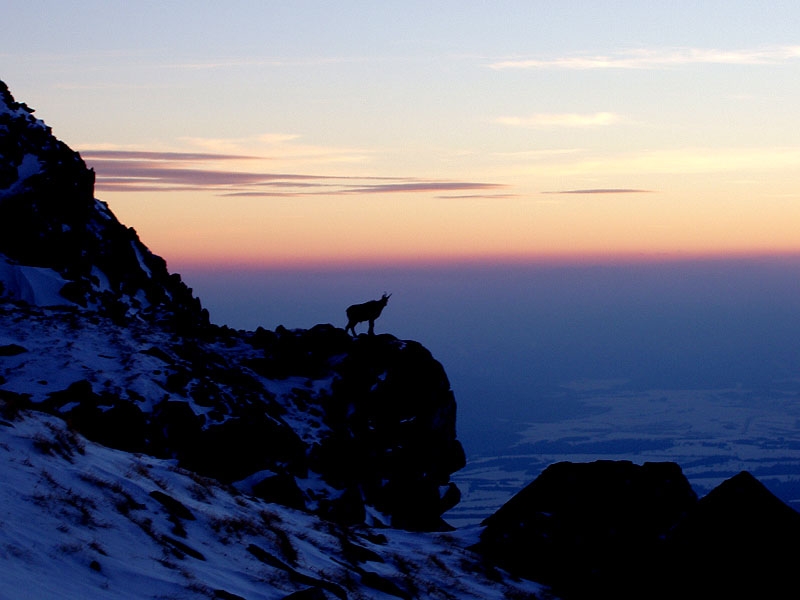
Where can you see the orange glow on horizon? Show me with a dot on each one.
(417, 230)
(465, 261)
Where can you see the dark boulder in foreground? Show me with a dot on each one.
(578, 522)
(389, 416)
(392, 416)
(616, 529)
(739, 541)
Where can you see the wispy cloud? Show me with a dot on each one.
(422, 186)
(354, 186)
(144, 171)
(126, 155)
(269, 62)
(477, 196)
(283, 146)
(543, 120)
(644, 58)
(674, 161)
(603, 191)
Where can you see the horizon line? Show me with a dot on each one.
(564, 260)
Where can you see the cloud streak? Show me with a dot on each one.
(644, 58)
(139, 171)
(423, 186)
(268, 62)
(125, 155)
(477, 196)
(603, 191)
(546, 120)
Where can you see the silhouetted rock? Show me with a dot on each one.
(739, 541)
(393, 420)
(617, 530)
(390, 418)
(11, 350)
(50, 219)
(589, 528)
(281, 489)
(104, 418)
(313, 593)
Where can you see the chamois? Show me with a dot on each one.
(368, 311)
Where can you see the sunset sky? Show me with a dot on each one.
(326, 133)
(567, 200)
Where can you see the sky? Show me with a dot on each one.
(564, 199)
(317, 134)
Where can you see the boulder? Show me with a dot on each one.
(392, 417)
(739, 541)
(584, 528)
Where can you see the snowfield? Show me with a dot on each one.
(79, 520)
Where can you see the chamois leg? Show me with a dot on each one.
(372, 326)
(351, 326)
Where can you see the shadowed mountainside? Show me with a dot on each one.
(104, 336)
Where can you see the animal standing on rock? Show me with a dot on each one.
(368, 311)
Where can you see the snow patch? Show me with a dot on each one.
(81, 521)
(103, 285)
(140, 258)
(38, 286)
(28, 167)
(103, 210)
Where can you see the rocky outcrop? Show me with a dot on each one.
(50, 219)
(578, 523)
(616, 529)
(739, 541)
(392, 417)
(355, 429)
(388, 415)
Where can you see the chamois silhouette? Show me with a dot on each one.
(368, 311)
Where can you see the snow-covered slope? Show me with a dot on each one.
(38, 286)
(79, 520)
(289, 414)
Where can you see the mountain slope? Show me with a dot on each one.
(79, 520)
(222, 463)
(52, 227)
(97, 331)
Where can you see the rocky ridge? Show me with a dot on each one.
(52, 227)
